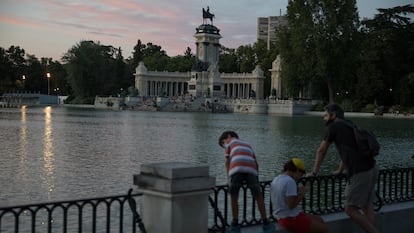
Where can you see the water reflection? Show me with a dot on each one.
(68, 153)
(23, 141)
(48, 155)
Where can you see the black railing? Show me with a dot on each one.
(104, 214)
(120, 214)
(325, 194)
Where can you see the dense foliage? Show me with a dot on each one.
(327, 54)
(327, 51)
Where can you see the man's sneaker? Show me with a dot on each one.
(234, 229)
(269, 228)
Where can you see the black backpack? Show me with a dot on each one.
(366, 141)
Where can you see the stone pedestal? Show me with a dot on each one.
(175, 197)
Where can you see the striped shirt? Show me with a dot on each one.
(242, 157)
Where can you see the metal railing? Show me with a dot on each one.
(325, 194)
(120, 213)
(103, 214)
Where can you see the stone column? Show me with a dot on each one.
(175, 197)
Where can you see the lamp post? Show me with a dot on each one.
(48, 83)
(24, 80)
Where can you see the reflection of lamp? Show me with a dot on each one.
(48, 83)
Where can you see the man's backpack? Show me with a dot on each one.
(366, 141)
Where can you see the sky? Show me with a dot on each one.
(49, 28)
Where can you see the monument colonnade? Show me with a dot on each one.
(235, 85)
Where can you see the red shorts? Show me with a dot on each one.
(298, 224)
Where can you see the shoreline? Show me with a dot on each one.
(306, 113)
(366, 114)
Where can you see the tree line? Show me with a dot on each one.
(326, 51)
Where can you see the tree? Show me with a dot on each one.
(296, 46)
(387, 56)
(92, 70)
(265, 58)
(181, 63)
(155, 58)
(138, 53)
(228, 61)
(12, 68)
(247, 58)
(123, 72)
(317, 46)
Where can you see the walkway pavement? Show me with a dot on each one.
(366, 114)
(258, 229)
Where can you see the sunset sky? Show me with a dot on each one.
(49, 28)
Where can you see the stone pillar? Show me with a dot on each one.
(175, 197)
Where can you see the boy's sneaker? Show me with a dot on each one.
(269, 228)
(234, 229)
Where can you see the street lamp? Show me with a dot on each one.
(48, 83)
(24, 80)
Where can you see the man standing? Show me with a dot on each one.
(242, 168)
(361, 169)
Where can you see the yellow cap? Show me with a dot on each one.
(299, 164)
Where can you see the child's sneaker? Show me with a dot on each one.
(234, 229)
(269, 228)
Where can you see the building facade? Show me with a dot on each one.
(267, 28)
(205, 80)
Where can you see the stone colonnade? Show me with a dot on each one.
(238, 90)
(165, 88)
(236, 85)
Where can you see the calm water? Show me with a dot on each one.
(50, 154)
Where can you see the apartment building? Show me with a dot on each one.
(266, 28)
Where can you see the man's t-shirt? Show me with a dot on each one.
(342, 135)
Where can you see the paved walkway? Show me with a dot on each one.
(366, 114)
(259, 229)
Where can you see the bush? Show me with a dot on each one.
(319, 107)
(83, 100)
(369, 108)
(347, 105)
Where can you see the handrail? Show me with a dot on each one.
(108, 214)
(102, 214)
(133, 205)
(217, 212)
(325, 194)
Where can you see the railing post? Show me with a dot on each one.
(175, 197)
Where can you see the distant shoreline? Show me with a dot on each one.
(308, 113)
(367, 114)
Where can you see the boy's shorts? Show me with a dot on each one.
(237, 180)
(298, 224)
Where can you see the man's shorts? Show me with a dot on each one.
(360, 189)
(237, 180)
(298, 224)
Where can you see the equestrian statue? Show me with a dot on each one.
(207, 15)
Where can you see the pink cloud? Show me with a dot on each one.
(170, 24)
(19, 22)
